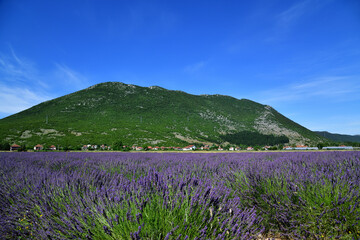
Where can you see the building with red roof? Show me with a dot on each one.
(38, 147)
(188, 148)
(14, 147)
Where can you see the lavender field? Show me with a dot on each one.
(302, 195)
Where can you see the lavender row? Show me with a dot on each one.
(179, 196)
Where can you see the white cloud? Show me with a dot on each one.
(319, 103)
(20, 84)
(318, 82)
(287, 19)
(331, 88)
(195, 67)
(299, 10)
(294, 12)
(20, 62)
(18, 71)
(16, 99)
(70, 77)
(14, 69)
(23, 86)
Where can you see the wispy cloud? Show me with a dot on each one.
(299, 10)
(321, 82)
(193, 68)
(331, 88)
(16, 99)
(20, 62)
(288, 18)
(291, 14)
(22, 85)
(15, 69)
(73, 79)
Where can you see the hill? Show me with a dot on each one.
(114, 111)
(339, 137)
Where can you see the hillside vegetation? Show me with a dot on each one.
(114, 111)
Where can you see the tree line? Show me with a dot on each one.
(254, 138)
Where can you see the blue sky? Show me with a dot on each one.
(300, 57)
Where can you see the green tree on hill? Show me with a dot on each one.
(5, 146)
(118, 145)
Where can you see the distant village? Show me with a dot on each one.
(103, 147)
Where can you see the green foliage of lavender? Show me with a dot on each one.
(310, 195)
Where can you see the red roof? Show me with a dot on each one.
(38, 145)
(15, 145)
(190, 146)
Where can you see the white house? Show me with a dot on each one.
(38, 147)
(189, 148)
(14, 147)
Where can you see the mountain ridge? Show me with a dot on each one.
(337, 137)
(112, 111)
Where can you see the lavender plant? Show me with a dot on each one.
(179, 195)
